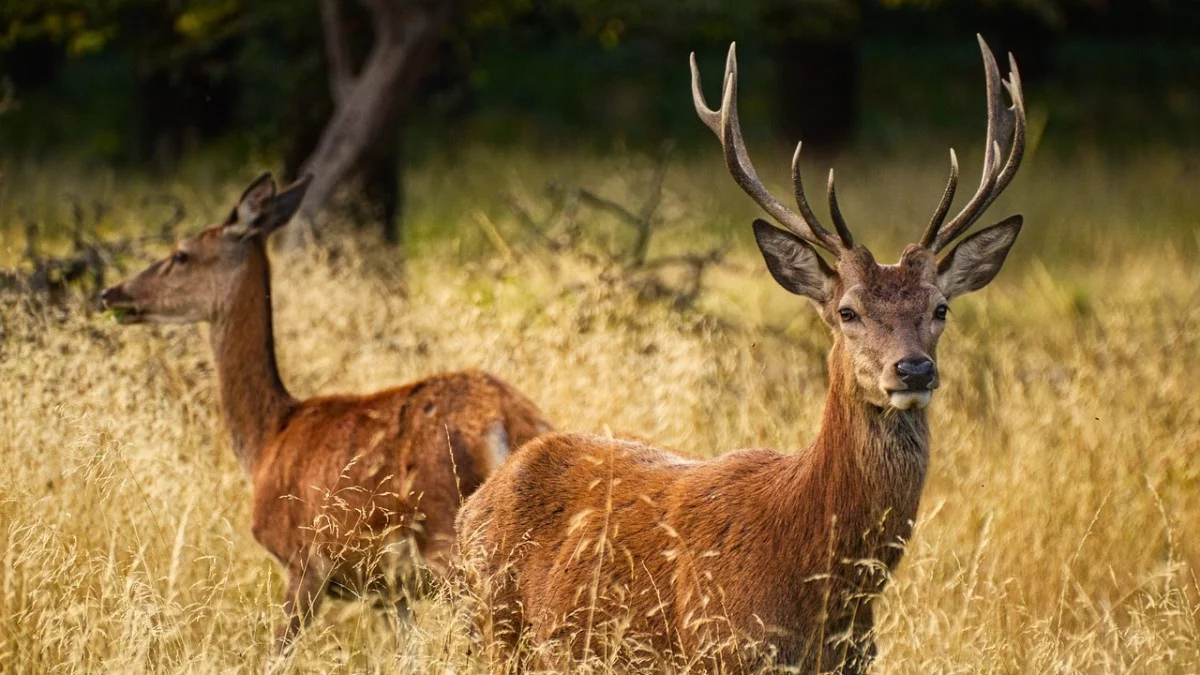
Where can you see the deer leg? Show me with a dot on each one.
(305, 591)
(854, 651)
(864, 655)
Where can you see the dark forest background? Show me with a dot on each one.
(368, 88)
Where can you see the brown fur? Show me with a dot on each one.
(347, 489)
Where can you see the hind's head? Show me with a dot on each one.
(199, 278)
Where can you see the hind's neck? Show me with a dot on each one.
(253, 399)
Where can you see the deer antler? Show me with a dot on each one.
(724, 123)
(1005, 125)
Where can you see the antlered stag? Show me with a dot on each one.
(347, 489)
(582, 539)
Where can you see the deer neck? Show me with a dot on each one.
(865, 472)
(253, 399)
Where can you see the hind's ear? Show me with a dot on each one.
(261, 211)
(286, 204)
(253, 202)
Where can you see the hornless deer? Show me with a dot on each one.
(348, 490)
(579, 539)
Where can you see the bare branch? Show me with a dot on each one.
(646, 216)
(31, 235)
(535, 229)
(675, 278)
(337, 52)
(595, 201)
(178, 212)
(566, 212)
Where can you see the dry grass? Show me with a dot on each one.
(1058, 530)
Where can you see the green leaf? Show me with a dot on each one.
(88, 41)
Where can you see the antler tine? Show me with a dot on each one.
(839, 222)
(806, 211)
(996, 110)
(1006, 127)
(939, 216)
(1018, 122)
(725, 124)
(710, 117)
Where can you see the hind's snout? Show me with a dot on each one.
(115, 296)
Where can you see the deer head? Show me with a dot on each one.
(886, 319)
(199, 278)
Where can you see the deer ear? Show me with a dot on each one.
(977, 259)
(261, 211)
(252, 204)
(285, 204)
(794, 263)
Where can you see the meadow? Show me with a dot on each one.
(1058, 529)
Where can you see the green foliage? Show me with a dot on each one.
(154, 30)
(81, 26)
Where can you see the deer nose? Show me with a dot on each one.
(112, 295)
(916, 373)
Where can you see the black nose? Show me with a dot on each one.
(114, 294)
(916, 373)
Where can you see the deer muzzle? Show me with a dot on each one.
(120, 304)
(918, 378)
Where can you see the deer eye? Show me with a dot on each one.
(847, 314)
(179, 257)
(940, 312)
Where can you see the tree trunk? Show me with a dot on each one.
(364, 103)
(382, 177)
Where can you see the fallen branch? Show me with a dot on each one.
(84, 267)
(632, 267)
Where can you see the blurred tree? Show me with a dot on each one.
(187, 57)
(369, 95)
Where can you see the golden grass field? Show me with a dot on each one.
(1058, 530)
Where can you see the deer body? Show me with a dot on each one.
(349, 491)
(582, 539)
(381, 460)
(352, 488)
(682, 537)
(755, 545)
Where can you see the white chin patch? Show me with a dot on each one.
(910, 400)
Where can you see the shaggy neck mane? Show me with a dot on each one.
(859, 484)
(255, 403)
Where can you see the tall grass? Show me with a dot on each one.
(1058, 530)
